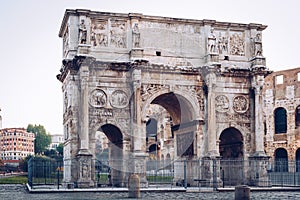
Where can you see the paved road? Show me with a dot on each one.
(16, 192)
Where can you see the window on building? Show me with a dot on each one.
(297, 116)
(280, 120)
(279, 79)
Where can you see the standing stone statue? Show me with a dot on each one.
(257, 45)
(136, 36)
(211, 42)
(82, 32)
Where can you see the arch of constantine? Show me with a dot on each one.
(206, 75)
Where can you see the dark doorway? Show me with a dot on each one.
(231, 152)
(298, 160)
(281, 160)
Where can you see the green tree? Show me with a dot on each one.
(60, 149)
(42, 139)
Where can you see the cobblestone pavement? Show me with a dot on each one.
(16, 192)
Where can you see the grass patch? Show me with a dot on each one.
(14, 180)
(160, 179)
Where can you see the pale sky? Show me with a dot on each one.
(31, 51)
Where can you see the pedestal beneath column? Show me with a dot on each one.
(138, 161)
(258, 62)
(258, 175)
(211, 171)
(85, 171)
(136, 53)
(212, 59)
(84, 49)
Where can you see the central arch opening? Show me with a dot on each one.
(170, 130)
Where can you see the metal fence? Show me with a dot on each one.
(179, 173)
(45, 172)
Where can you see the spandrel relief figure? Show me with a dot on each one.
(136, 35)
(211, 41)
(82, 32)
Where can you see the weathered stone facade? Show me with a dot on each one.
(208, 75)
(282, 93)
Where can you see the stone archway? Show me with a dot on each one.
(184, 128)
(114, 80)
(183, 120)
(231, 144)
(116, 157)
(231, 152)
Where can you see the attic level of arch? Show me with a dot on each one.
(140, 16)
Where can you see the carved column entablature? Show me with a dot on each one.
(74, 65)
(210, 76)
(136, 79)
(258, 83)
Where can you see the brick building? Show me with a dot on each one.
(15, 144)
(282, 114)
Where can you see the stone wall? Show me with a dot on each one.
(286, 95)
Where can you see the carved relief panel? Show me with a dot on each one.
(233, 109)
(108, 33)
(118, 34)
(119, 99)
(240, 104)
(222, 103)
(99, 36)
(109, 105)
(226, 42)
(98, 98)
(237, 43)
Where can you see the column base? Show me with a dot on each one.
(258, 175)
(85, 171)
(139, 167)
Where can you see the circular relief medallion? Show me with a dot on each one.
(98, 98)
(119, 99)
(240, 104)
(222, 103)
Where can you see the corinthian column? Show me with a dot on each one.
(84, 115)
(259, 129)
(211, 116)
